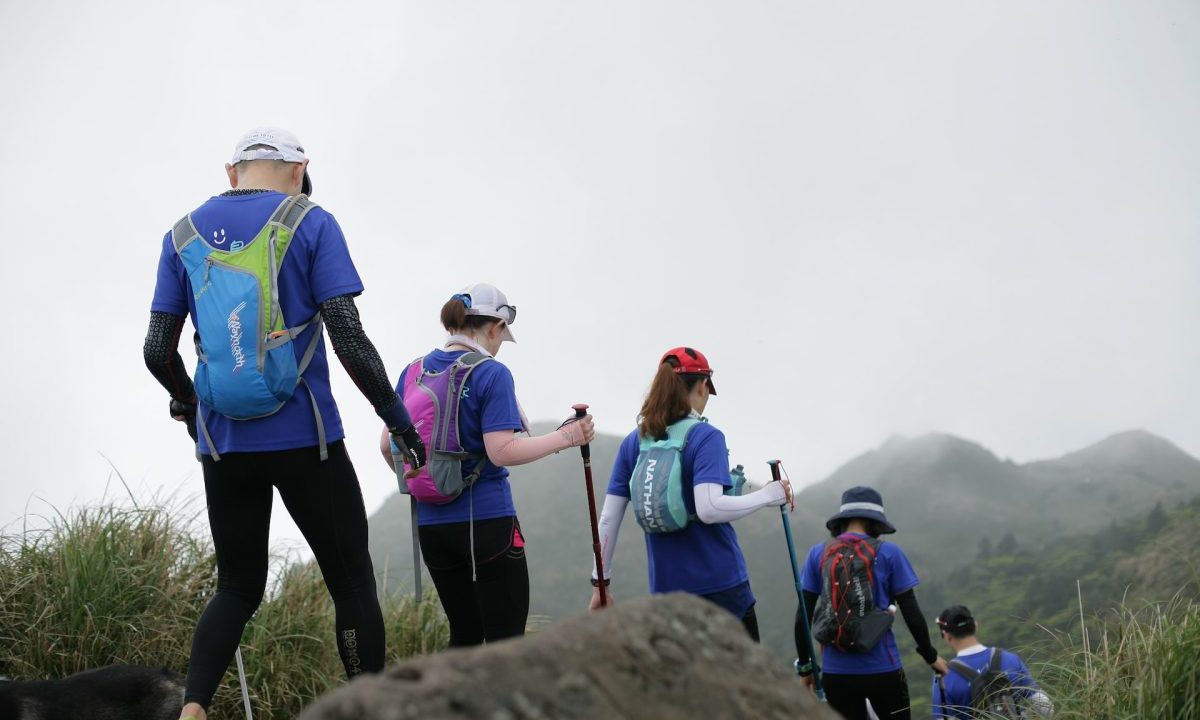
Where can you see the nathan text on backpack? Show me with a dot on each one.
(433, 401)
(992, 692)
(656, 485)
(246, 367)
(846, 616)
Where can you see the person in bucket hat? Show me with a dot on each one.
(471, 542)
(703, 557)
(265, 231)
(865, 503)
(875, 673)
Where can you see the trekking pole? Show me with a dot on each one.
(416, 543)
(398, 462)
(242, 676)
(791, 545)
(586, 451)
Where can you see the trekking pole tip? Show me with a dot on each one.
(580, 409)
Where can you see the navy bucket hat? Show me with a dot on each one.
(862, 502)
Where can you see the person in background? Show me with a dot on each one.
(872, 672)
(952, 694)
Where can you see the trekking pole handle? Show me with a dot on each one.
(775, 470)
(580, 412)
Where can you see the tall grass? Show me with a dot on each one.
(1134, 662)
(110, 584)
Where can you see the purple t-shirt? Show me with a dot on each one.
(893, 575)
(701, 558)
(317, 267)
(489, 404)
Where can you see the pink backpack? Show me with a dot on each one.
(433, 401)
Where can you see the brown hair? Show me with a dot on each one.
(455, 317)
(667, 400)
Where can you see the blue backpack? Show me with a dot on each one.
(656, 486)
(246, 367)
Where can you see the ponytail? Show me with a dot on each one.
(667, 401)
(456, 319)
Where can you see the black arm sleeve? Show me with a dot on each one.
(810, 604)
(915, 621)
(161, 353)
(362, 361)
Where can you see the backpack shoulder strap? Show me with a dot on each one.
(963, 669)
(184, 233)
(679, 431)
(472, 359)
(994, 660)
(417, 366)
(291, 211)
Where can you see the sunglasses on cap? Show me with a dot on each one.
(512, 312)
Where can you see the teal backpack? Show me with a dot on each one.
(246, 365)
(656, 485)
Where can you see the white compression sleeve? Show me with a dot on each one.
(714, 506)
(611, 516)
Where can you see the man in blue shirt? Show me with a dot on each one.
(952, 693)
(298, 448)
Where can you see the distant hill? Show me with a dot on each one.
(936, 485)
(938, 489)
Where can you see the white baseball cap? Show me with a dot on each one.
(281, 145)
(487, 300)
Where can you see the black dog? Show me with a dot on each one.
(116, 692)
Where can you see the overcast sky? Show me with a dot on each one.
(978, 218)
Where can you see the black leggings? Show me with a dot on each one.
(325, 501)
(496, 604)
(750, 622)
(888, 693)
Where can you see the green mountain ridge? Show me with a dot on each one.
(942, 492)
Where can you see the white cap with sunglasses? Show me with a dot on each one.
(487, 300)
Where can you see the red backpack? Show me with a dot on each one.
(846, 616)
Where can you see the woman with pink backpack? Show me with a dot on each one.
(463, 402)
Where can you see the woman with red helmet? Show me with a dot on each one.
(701, 557)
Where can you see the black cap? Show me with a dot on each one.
(955, 617)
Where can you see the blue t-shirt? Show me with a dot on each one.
(489, 404)
(893, 575)
(317, 267)
(957, 700)
(702, 558)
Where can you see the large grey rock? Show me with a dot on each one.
(665, 656)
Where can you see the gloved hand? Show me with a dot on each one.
(185, 412)
(411, 446)
(578, 430)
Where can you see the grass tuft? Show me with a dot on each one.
(110, 584)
